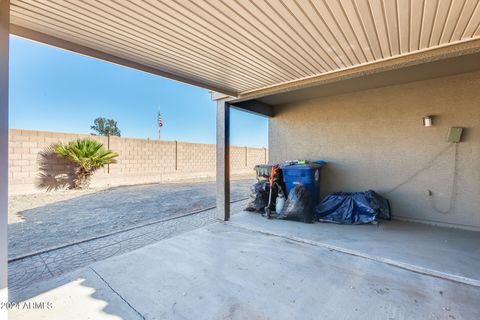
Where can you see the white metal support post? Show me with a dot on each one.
(4, 47)
(223, 160)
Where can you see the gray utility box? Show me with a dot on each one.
(455, 134)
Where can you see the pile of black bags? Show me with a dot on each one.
(258, 198)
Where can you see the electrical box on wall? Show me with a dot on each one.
(455, 134)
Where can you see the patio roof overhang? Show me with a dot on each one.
(248, 49)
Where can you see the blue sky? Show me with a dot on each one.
(55, 90)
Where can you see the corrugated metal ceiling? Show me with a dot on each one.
(240, 46)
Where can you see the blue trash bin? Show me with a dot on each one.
(307, 175)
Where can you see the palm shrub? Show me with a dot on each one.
(87, 155)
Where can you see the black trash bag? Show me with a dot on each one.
(353, 208)
(297, 207)
(259, 194)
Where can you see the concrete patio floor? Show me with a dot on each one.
(251, 268)
(445, 252)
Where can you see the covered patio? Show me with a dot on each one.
(343, 81)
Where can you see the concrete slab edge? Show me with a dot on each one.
(391, 262)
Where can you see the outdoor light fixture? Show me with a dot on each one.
(427, 121)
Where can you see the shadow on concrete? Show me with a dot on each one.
(87, 288)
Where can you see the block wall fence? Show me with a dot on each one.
(140, 161)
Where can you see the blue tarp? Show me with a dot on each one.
(353, 208)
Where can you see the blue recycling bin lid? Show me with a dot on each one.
(307, 166)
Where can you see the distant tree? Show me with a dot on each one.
(105, 127)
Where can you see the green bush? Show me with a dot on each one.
(87, 155)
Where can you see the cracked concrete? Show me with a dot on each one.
(118, 294)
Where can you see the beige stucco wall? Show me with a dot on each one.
(375, 139)
(139, 161)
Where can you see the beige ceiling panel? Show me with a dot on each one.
(221, 33)
(365, 14)
(439, 24)
(280, 22)
(185, 37)
(416, 22)
(350, 39)
(471, 6)
(453, 16)
(357, 27)
(295, 23)
(197, 12)
(403, 16)
(80, 19)
(213, 35)
(250, 24)
(332, 46)
(189, 33)
(377, 10)
(114, 43)
(244, 46)
(300, 20)
(474, 23)
(330, 22)
(67, 35)
(429, 13)
(302, 13)
(285, 45)
(391, 19)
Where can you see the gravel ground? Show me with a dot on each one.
(43, 221)
(19, 203)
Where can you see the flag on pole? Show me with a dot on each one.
(159, 123)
